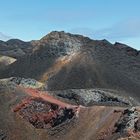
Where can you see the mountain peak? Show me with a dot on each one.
(57, 35)
(53, 35)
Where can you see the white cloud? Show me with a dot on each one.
(122, 30)
(4, 37)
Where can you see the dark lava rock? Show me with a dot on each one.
(128, 121)
(42, 114)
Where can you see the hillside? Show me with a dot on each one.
(69, 87)
(66, 61)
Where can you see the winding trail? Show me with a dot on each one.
(45, 96)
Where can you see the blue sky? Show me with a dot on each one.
(115, 20)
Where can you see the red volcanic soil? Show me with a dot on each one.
(44, 111)
(43, 114)
(47, 97)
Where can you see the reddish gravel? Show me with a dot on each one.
(47, 97)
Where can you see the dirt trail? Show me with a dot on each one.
(48, 98)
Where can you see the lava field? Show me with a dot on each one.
(42, 114)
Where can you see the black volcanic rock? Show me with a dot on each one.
(127, 49)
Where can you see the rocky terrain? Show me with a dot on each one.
(27, 83)
(67, 86)
(90, 97)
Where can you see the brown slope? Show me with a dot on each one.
(5, 61)
(101, 67)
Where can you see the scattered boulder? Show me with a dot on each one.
(27, 83)
(129, 121)
(2, 135)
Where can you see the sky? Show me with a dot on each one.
(114, 20)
